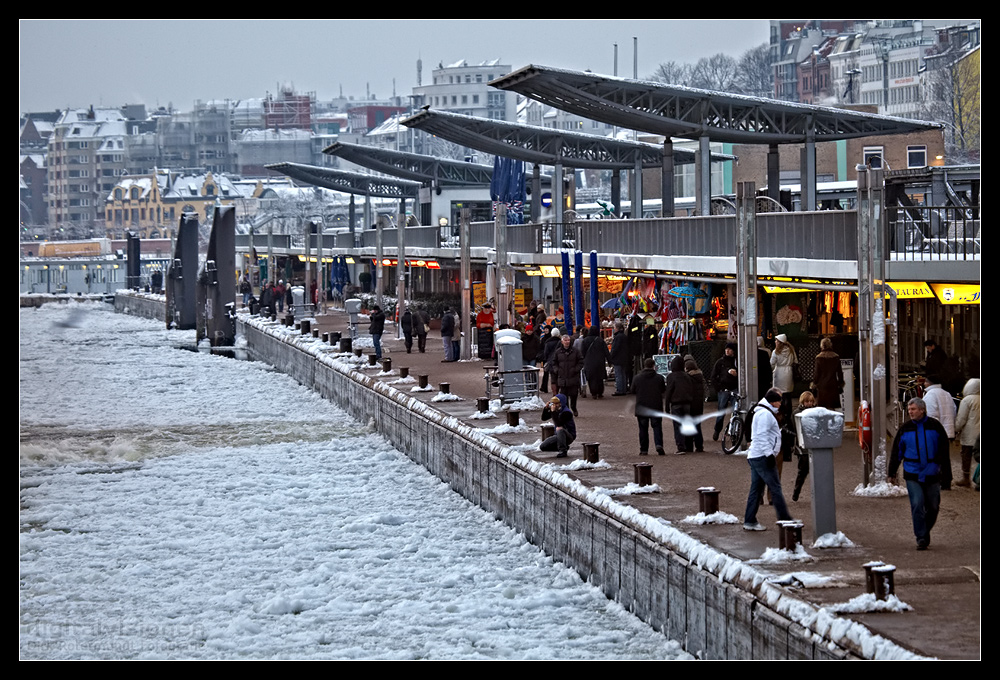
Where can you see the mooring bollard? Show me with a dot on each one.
(305, 326)
(422, 381)
(335, 337)
(345, 344)
(315, 332)
(372, 359)
(591, 452)
(445, 388)
(513, 418)
(789, 534)
(386, 365)
(404, 371)
(357, 352)
(885, 581)
(326, 338)
(869, 577)
(548, 431)
(643, 473)
(483, 404)
(708, 500)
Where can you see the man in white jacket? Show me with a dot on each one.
(940, 406)
(765, 446)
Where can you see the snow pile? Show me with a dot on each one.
(446, 396)
(628, 490)
(868, 603)
(385, 374)
(780, 555)
(581, 464)
(879, 490)
(508, 429)
(837, 540)
(403, 381)
(482, 415)
(532, 403)
(804, 579)
(429, 388)
(718, 517)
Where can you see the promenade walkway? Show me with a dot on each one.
(942, 585)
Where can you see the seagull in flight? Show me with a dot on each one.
(689, 424)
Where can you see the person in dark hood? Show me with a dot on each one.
(376, 328)
(595, 361)
(557, 410)
(619, 359)
(726, 383)
(679, 396)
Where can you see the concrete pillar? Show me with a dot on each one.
(746, 290)
(667, 178)
(703, 177)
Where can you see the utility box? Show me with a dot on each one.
(353, 308)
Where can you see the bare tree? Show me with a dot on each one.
(951, 96)
(673, 73)
(754, 74)
(717, 72)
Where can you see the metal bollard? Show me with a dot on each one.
(789, 534)
(404, 371)
(345, 344)
(315, 332)
(513, 418)
(885, 581)
(643, 473)
(548, 431)
(869, 577)
(305, 326)
(591, 452)
(445, 388)
(357, 352)
(335, 337)
(422, 381)
(372, 359)
(386, 365)
(483, 404)
(708, 500)
(326, 338)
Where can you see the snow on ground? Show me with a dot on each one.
(879, 490)
(178, 504)
(628, 490)
(717, 517)
(837, 540)
(868, 603)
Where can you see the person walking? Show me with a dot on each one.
(447, 331)
(595, 361)
(421, 321)
(921, 447)
(829, 378)
(566, 364)
(698, 400)
(376, 327)
(619, 359)
(806, 401)
(765, 447)
(549, 349)
(967, 426)
(648, 387)
(406, 323)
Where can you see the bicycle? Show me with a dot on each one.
(732, 434)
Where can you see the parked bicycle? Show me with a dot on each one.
(732, 434)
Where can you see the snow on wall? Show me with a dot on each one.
(722, 606)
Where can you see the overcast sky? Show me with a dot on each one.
(104, 62)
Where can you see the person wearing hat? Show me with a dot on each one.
(557, 410)
(548, 349)
(783, 362)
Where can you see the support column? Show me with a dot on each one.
(503, 277)
(703, 177)
(807, 172)
(746, 290)
(773, 173)
(616, 191)
(558, 202)
(637, 186)
(400, 269)
(379, 254)
(536, 193)
(464, 246)
(667, 178)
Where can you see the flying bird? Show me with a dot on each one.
(689, 424)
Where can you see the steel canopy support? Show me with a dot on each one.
(400, 268)
(667, 179)
(536, 193)
(637, 188)
(503, 275)
(746, 290)
(559, 202)
(464, 245)
(703, 177)
(808, 172)
(773, 173)
(616, 191)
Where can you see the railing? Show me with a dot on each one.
(923, 233)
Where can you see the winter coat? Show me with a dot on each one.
(619, 349)
(941, 407)
(829, 380)
(406, 323)
(447, 325)
(377, 323)
(722, 379)
(765, 434)
(421, 319)
(680, 386)
(698, 385)
(921, 446)
(967, 422)
(783, 373)
(566, 365)
(563, 417)
(648, 387)
(595, 352)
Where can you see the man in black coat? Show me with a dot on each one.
(567, 362)
(649, 388)
(678, 397)
(619, 359)
(725, 380)
(376, 328)
(447, 331)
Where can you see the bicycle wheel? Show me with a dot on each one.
(733, 435)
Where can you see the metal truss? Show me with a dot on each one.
(544, 146)
(348, 182)
(413, 166)
(671, 110)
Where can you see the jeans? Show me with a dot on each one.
(725, 399)
(560, 441)
(644, 423)
(377, 342)
(621, 380)
(925, 501)
(446, 341)
(683, 442)
(764, 472)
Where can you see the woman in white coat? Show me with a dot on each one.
(967, 426)
(783, 361)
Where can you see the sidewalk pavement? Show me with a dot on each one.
(942, 584)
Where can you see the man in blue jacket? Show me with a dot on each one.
(921, 446)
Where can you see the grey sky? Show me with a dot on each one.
(107, 62)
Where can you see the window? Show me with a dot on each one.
(916, 156)
(873, 156)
